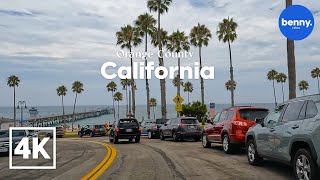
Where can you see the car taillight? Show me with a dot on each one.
(240, 123)
(139, 129)
(117, 130)
(182, 124)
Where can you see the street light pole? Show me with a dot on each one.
(21, 103)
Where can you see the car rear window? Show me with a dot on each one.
(128, 123)
(4, 134)
(189, 121)
(252, 114)
(161, 121)
(18, 133)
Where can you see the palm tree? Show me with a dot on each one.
(230, 85)
(118, 97)
(62, 91)
(291, 63)
(175, 82)
(77, 87)
(199, 37)
(272, 75)
(126, 84)
(13, 81)
(161, 7)
(303, 86)
(146, 26)
(188, 87)
(281, 78)
(112, 87)
(315, 73)
(227, 33)
(129, 37)
(153, 103)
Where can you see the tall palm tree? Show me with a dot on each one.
(126, 84)
(161, 7)
(112, 87)
(188, 87)
(303, 86)
(199, 37)
(178, 42)
(281, 78)
(315, 73)
(153, 104)
(291, 59)
(146, 26)
(230, 85)
(118, 97)
(62, 91)
(272, 75)
(129, 37)
(13, 81)
(175, 82)
(77, 88)
(227, 33)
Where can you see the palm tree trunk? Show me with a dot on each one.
(154, 115)
(274, 93)
(127, 100)
(162, 81)
(291, 64)
(14, 106)
(114, 110)
(282, 93)
(118, 110)
(318, 84)
(303, 92)
(147, 81)
(201, 79)
(231, 74)
(178, 82)
(133, 87)
(74, 108)
(188, 98)
(64, 120)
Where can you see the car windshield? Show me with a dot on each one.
(161, 121)
(189, 121)
(128, 123)
(252, 114)
(4, 134)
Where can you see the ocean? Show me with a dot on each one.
(141, 112)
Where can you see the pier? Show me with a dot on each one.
(53, 120)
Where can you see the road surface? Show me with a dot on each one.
(150, 159)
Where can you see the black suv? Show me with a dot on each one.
(180, 128)
(151, 127)
(125, 129)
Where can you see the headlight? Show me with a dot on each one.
(17, 142)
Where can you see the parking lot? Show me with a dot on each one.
(150, 159)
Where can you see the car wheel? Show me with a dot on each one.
(252, 154)
(205, 142)
(175, 137)
(110, 139)
(130, 140)
(137, 140)
(227, 148)
(303, 165)
(150, 135)
(162, 136)
(91, 134)
(115, 140)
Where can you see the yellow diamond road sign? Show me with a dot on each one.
(178, 107)
(178, 100)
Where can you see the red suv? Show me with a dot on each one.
(230, 126)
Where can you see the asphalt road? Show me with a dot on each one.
(150, 159)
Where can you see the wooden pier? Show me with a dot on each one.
(54, 120)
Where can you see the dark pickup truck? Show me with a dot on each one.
(151, 127)
(127, 128)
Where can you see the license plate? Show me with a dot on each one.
(128, 130)
(3, 149)
(192, 127)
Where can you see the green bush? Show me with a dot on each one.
(196, 109)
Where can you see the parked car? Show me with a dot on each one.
(151, 127)
(230, 126)
(180, 128)
(127, 128)
(17, 136)
(289, 134)
(59, 132)
(92, 130)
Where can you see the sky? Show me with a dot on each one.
(52, 43)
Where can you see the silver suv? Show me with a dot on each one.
(289, 134)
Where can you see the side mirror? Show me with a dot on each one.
(165, 124)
